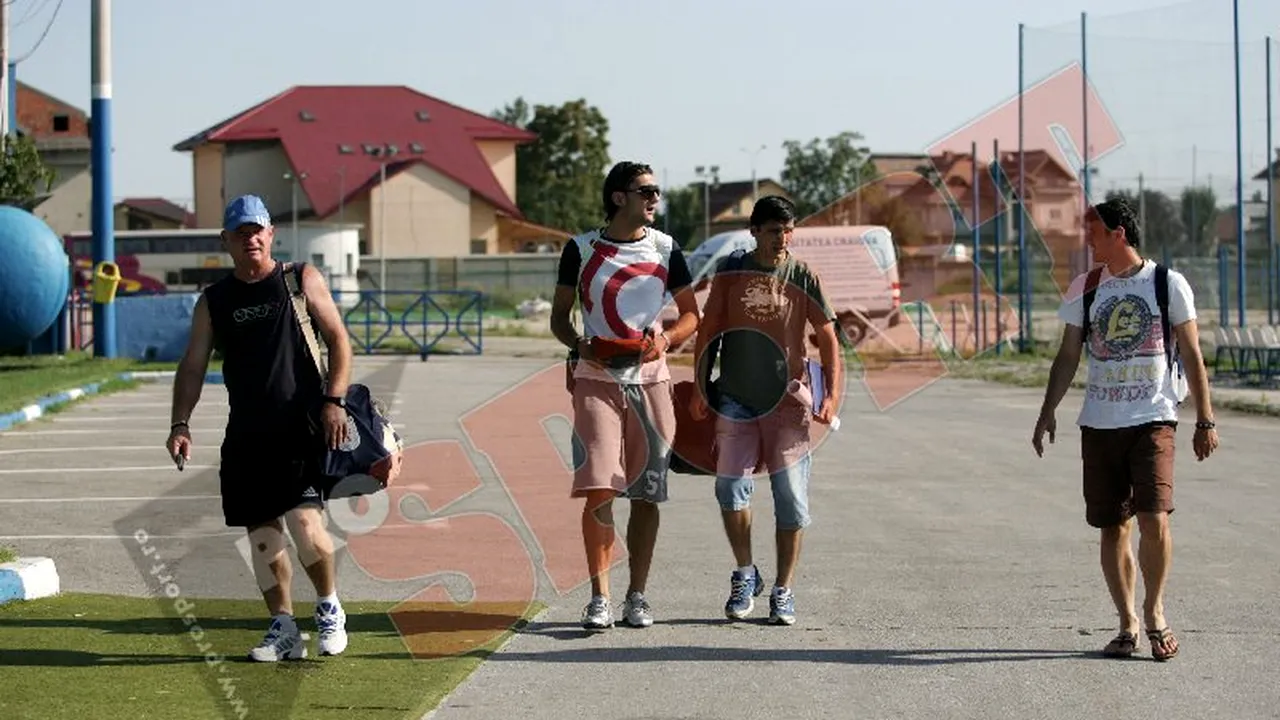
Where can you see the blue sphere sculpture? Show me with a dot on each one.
(35, 277)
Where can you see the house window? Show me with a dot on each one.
(61, 123)
(317, 259)
(351, 264)
(479, 247)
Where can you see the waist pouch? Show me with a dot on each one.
(619, 353)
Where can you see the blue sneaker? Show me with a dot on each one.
(782, 607)
(742, 591)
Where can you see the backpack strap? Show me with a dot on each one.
(1162, 302)
(1091, 282)
(734, 262)
(293, 281)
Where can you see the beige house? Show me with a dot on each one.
(61, 134)
(417, 176)
(728, 204)
(152, 213)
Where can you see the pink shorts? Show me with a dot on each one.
(622, 438)
(778, 439)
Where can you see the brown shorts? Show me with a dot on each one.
(623, 437)
(1127, 471)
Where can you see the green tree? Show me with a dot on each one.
(24, 178)
(681, 215)
(1161, 222)
(558, 176)
(821, 171)
(1199, 214)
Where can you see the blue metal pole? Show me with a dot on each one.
(1224, 291)
(1240, 256)
(1084, 108)
(1000, 216)
(977, 259)
(104, 246)
(1271, 225)
(1024, 265)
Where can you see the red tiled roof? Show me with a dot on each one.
(329, 146)
(160, 207)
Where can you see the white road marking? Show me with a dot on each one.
(107, 431)
(338, 542)
(136, 468)
(101, 448)
(108, 499)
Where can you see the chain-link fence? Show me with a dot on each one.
(1162, 129)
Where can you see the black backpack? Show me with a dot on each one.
(1171, 357)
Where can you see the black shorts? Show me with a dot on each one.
(261, 481)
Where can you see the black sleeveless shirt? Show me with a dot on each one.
(270, 377)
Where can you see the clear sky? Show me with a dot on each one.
(683, 83)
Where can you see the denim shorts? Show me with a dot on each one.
(780, 441)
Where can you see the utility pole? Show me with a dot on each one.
(1193, 232)
(666, 205)
(6, 122)
(709, 176)
(103, 223)
(755, 185)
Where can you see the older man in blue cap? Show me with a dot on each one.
(270, 460)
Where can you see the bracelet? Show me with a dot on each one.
(180, 423)
(1204, 425)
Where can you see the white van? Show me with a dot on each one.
(858, 266)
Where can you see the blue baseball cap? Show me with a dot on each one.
(246, 209)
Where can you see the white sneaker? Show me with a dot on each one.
(283, 641)
(597, 615)
(636, 611)
(331, 621)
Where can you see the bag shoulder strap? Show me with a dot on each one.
(1091, 282)
(1162, 302)
(293, 281)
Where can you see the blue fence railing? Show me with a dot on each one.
(414, 322)
(395, 322)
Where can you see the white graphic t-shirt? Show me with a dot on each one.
(1129, 379)
(622, 289)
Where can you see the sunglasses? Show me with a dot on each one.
(648, 191)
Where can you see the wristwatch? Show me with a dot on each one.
(339, 401)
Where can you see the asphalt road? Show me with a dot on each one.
(948, 572)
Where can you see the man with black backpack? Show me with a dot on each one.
(1138, 321)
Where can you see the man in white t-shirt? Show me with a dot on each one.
(1130, 413)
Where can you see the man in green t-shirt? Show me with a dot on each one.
(759, 306)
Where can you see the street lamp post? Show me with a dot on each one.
(293, 215)
(709, 176)
(386, 152)
(755, 185)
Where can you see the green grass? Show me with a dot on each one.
(24, 380)
(7, 554)
(90, 656)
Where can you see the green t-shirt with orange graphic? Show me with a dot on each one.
(762, 315)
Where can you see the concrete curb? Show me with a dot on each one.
(38, 408)
(28, 578)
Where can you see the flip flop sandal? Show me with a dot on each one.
(1161, 639)
(1123, 645)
